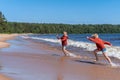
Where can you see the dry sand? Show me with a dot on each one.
(28, 60)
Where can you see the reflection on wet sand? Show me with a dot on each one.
(61, 67)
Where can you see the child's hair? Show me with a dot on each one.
(95, 35)
(65, 33)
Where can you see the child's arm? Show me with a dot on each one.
(57, 36)
(91, 39)
(108, 43)
(64, 38)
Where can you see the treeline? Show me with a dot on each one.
(16, 27)
(13, 27)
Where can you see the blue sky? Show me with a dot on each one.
(62, 11)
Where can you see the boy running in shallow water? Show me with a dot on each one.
(100, 46)
(64, 42)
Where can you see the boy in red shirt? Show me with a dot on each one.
(100, 46)
(64, 42)
(64, 39)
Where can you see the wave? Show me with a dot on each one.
(113, 51)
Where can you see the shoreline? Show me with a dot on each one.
(28, 60)
(5, 44)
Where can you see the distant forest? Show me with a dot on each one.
(48, 28)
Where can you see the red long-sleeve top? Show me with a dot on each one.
(99, 43)
(64, 40)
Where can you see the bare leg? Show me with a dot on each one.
(108, 59)
(65, 51)
(95, 53)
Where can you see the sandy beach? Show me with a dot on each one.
(23, 59)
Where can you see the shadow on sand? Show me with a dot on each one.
(90, 62)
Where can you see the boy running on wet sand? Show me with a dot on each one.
(64, 39)
(100, 46)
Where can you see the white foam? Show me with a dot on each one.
(47, 39)
(72, 55)
(84, 45)
(111, 51)
(114, 65)
(25, 37)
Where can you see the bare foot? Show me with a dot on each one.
(85, 57)
(95, 60)
(78, 56)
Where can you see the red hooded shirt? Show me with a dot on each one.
(99, 43)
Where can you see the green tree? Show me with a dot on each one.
(3, 23)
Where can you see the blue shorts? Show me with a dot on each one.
(64, 47)
(104, 50)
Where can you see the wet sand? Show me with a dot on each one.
(28, 60)
(4, 44)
